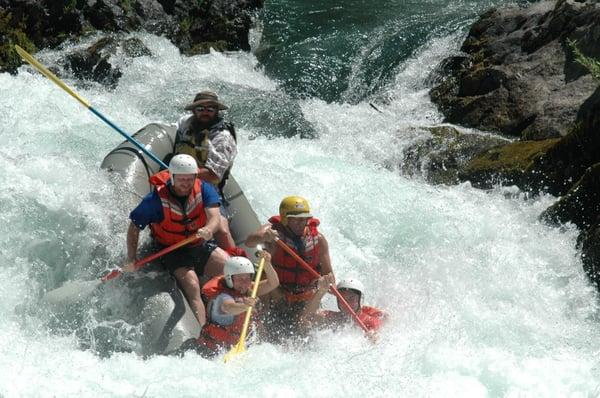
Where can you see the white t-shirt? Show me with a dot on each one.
(216, 315)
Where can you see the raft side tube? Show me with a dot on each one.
(135, 166)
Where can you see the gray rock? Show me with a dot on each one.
(93, 63)
(134, 47)
(519, 77)
(567, 161)
(151, 16)
(589, 242)
(108, 15)
(581, 204)
(440, 156)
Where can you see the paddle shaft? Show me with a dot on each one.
(333, 289)
(261, 265)
(128, 137)
(43, 70)
(138, 264)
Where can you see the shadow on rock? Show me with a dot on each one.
(93, 63)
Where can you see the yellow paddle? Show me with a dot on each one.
(43, 70)
(35, 63)
(241, 344)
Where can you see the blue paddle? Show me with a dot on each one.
(43, 70)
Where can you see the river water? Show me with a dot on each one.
(484, 300)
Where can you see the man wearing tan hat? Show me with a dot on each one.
(212, 142)
(207, 137)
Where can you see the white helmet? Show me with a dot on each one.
(236, 265)
(182, 164)
(354, 284)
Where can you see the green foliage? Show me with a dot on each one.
(9, 59)
(127, 5)
(185, 24)
(70, 6)
(517, 155)
(591, 64)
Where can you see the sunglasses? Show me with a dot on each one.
(205, 108)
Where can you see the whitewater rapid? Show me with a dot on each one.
(484, 300)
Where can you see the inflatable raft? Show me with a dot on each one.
(166, 318)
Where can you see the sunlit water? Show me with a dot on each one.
(483, 299)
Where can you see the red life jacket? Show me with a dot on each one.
(216, 336)
(372, 317)
(178, 222)
(291, 274)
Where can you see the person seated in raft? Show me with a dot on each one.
(297, 228)
(228, 298)
(209, 139)
(180, 207)
(351, 290)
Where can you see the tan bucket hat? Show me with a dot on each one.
(206, 98)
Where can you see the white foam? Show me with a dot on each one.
(483, 299)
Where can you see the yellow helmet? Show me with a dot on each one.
(293, 206)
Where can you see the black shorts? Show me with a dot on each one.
(189, 256)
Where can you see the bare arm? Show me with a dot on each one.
(133, 237)
(214, 218)
(308, 315)
(232, 307)
(272, 280)
(325, 260)
(265, 234)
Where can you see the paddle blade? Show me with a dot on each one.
(71, 292)
(236, 349)
(241, 345)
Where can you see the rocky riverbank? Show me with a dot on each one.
(193, 26)
(519, 77)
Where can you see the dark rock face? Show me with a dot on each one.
(581, 205)
(194, 26)
(566, 163)
(519, 77)
(219, 24)
(509, 40)
(46, 23)
(94, 64)
(589, 241)
(107, 15)
(552, 165)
